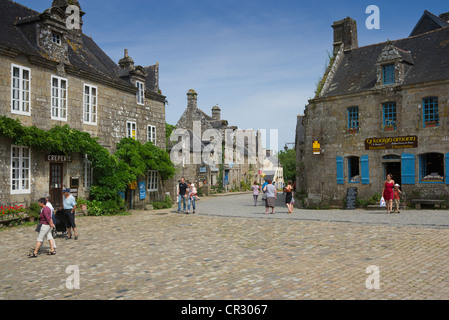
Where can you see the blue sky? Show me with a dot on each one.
(259, 60)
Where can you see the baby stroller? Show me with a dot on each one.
(59, 221)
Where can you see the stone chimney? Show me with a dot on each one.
(216, 113)
(126, 62)
(192, 98)
(444, 16)
(345, 34)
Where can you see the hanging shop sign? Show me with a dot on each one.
(391, 143)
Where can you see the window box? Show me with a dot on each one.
(389, 128)
(430, 124)
(353, 130)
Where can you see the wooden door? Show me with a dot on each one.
(56, 184)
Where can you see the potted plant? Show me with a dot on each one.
(430, 124)
(389, 127)
(353, 130)
(81, 203)
(33, 212)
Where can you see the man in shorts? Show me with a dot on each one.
(69, 207)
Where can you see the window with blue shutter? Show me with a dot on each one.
(364, 163)
(408, 168)
(447, 168)
(340, 171)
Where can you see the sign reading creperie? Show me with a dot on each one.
(391, 143)
(58, 158)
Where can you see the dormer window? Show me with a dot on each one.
(56, 38)
(388, 74)
(140, 93)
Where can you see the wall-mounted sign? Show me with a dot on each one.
(391, 143)
(132, 185)
(58, 158)
(316, 148)
(203, 169)
(142, 190)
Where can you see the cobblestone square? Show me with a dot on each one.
(167, 255)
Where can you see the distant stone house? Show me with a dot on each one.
(383, 108)
(206, 175)
(52, 75)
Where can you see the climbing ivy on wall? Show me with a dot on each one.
(112, 172)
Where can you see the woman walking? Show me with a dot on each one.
(271, 193)
(289, 196)
(388, 192)
(256, 188)
(45, 232)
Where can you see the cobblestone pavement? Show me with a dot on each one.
(165, 255)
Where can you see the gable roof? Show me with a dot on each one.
(428, 22)
(357, 72)
(18, 31)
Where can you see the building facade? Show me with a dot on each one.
(52, 74)
(234, 172)
(383, 108)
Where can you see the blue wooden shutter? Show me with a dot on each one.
(408, 168)
(340, 172)
(364, 163)
(447, 168)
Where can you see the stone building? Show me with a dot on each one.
(383, 108)
(53, 74)
(234, 173)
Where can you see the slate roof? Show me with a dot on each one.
(428, 53)
(86, 56)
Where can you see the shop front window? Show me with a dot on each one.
(431, 167)
(354, 169)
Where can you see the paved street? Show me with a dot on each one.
(231, 250)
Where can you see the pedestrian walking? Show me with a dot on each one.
(388, 192)
(271, 194)
(256, 188)
(45, 223)
(182, 194)
(69, 207)
(192, 198)
(289, 196)
(53, 217)
(397, 198)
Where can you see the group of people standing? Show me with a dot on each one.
(270, 195)
(47, 221)
(187, 193)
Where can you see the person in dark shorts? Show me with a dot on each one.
(289, 196)
(182, 194)
(69, 207)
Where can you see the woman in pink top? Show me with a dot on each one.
(256, 188)
(46, 223)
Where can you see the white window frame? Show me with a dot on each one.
(56, 38)
(61, 104)
(140, 93)
(87, 173)
(153, 181)
(90, 102)
(151, 135)
(21, 91)
(129, 130)
(21, 170)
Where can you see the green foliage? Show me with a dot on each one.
(169, 128)
(288, 162)
(105, 208)
(34, 210)
(112, 173)
(165, 204)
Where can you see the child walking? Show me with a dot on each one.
(397, 197)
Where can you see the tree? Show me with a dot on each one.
(288, 162)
